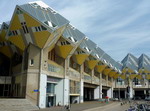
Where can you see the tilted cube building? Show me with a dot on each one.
(46, 60)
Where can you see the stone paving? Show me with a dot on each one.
(16, 105)
(86, 106)
(25, 105)
(111, 107)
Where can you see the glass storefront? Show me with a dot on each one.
(51, 97)
(51, 91)
(51, 88)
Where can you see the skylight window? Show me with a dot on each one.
(65, 43)
(80, 52)
(119, 71)
(72, 39)
(135, 71)
(105, 61)
(86, 38)
(38, 3)
(110, 65)
(53, 11)
(87, 49)
(51, 24)
(97, 55)
(35, 5)
(147, 60)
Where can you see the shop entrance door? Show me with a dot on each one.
(51, 101)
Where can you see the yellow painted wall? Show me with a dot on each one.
(148, 76)
(112, 73)
(132, 76)
(139, 76)
(17, 40)
(63, 51)
(2, 36)
(6, 51)
(92, 63)
(100, 68)
(15, 25)
(116, 76)
(30, 21)
(80, 58)
(106, 71)
(41, 38)
(123, 76)
(129, 70)
(145, 71)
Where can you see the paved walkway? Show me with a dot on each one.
(111, 107)
(91, 106)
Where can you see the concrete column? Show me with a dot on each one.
(81, 85)
(100, 86)
(112, 88)
(81, 91)
(42, 91)
(66, 84)
(131, 89)
(59, 91)
(66, 92)
(109, 92)
(112, 92)
(131, 92)
(96, 92)
(92, 75)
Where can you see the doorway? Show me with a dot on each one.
(51, 101)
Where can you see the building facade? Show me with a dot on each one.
(46, 60)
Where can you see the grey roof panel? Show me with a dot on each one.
(8, 22)
(46, 14)
(118, 66)
(90, 45)
(106, 57)
(70, 31)
(144, 62)
(130, 61)
(4, 25)
(100, 52)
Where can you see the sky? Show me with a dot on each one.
(116, 26)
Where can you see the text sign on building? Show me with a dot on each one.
(36, 90)
(74, 74)
(50, 79)
(53, 68)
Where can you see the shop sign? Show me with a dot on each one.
(49, 79)
(36, 90)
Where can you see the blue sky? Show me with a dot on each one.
(117, 26)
